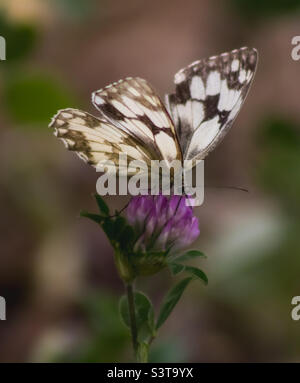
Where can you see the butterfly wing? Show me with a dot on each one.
(134, 107)
(208, 96)
(97, 141)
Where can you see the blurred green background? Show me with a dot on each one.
(56, 270)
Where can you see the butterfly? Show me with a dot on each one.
(133, 120)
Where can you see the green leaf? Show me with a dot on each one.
(144, 314)
(94, 217)
(114, 228)
(102, 205)
(109, 228)
(119, 233)
(126, 238)
(171, 300)
(176, 268)
(197, 273)
(190, 255)
(119, 226)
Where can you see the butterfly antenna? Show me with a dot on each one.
(119, 212)
(178, 203)
(229, 187)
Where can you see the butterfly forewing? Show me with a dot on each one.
(134, 107)
(209, 94)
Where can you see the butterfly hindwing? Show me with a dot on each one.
(208, 95)
(95, 140)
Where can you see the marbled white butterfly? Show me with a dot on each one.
(133, 120)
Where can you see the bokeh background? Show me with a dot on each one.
(56, 269)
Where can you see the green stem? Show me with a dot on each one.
(133, 327)
(143, 351)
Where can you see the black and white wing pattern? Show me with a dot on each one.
(133, 121)
(208, 96)
(97, 141)
(134, 107)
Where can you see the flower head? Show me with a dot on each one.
(162, 223)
